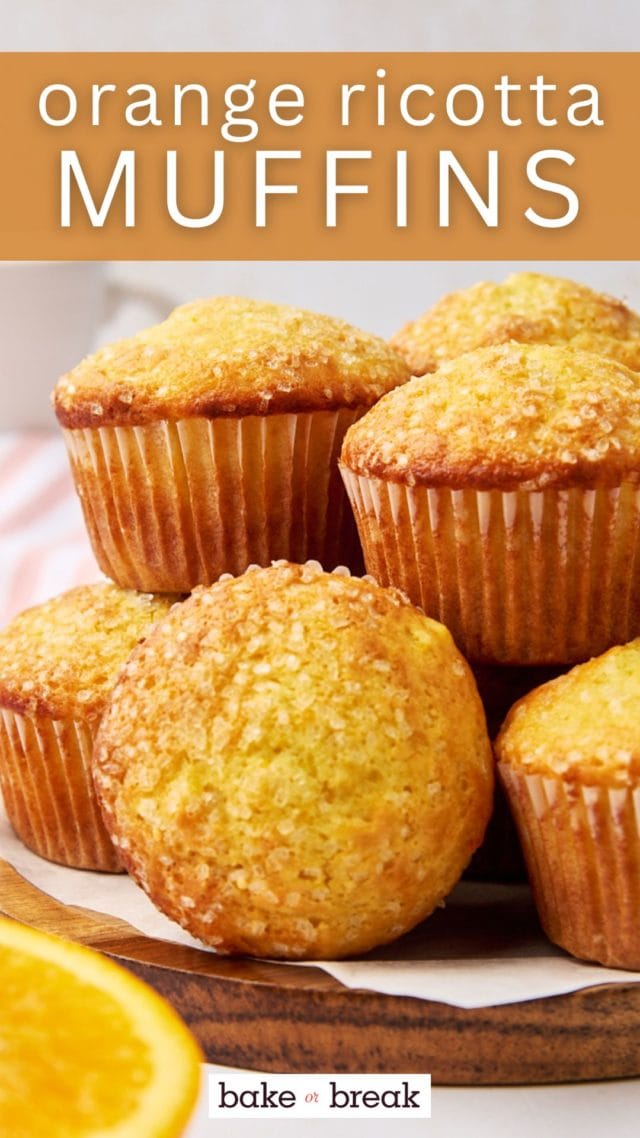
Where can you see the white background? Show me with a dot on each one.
(595, 1110)
(320, 25)
(379, 296)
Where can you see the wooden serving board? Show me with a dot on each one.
(275, 1017)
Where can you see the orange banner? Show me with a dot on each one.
(319, 156)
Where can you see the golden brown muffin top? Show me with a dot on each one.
(532, 308)
(295, 763)
(511, 416)
(229, 356)
(61, 658)
(583, 726)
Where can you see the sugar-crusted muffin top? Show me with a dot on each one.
(583, 726)
(229, 356)
(509, 416)
(295, 763)
(62, 658)
(532, 308)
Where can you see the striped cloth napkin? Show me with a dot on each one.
(44, 548)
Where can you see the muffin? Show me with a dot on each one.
(501, 495)
(569, 759)
(59, 662)
(295, 764)
(531, 308)
(210, 441)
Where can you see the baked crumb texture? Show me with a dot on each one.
(569, 761)
(295, 764)
(59, 662)
(229, 356)
(508, 417)
(169, 506)
(531, 308)
(502, 496)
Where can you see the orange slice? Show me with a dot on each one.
(86, 1049)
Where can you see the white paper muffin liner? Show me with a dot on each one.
(582, 849)
(45, 775)
(524, 577)
(170, 506)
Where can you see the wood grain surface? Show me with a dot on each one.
(275, 1017)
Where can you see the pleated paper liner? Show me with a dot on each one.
(48, 791)
(524, 577)
(582, 848)
(169, 506)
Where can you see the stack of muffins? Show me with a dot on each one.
(500, 491)
(197, 447)
(294, 761)
(230, 750)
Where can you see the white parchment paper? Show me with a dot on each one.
(483, 948)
